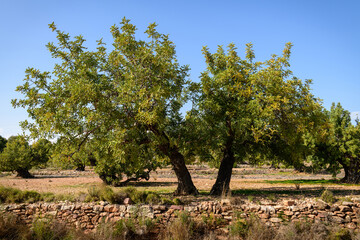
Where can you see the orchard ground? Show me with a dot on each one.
(247, 181)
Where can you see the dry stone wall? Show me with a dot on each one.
(89, 215)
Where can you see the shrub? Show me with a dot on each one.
(327, 196)
(45, 229)
(11, 228)
(153, 198)
(13, 195)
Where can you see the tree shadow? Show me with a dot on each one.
(151, 184)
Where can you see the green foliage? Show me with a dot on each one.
(14, 195)
(327, 196)
(105, 193)
(247, 110)
(339, 146)
(124, 103)
(19, 156)
(45, 229)
(153, 198)
(3, 142)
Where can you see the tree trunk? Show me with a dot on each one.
(222, 184)
(185, 183)
(352, 173)
(24, 173)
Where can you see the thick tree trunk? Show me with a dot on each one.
(185, 183)
(352, 174)
(222, 184)
(24, 173)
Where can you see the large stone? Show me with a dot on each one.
(177, 207)
(128, 201)
(275, 220)
(336, 219)
(351, 225)
(108, 208)
(349, 204)
(321, 205)
(344, 208)
(288, 213)
(289, 203)
(264, 216)
(225, 202)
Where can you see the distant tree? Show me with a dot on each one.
(3, 142)
(136, 89)
(243, 106)
(41, 150)
(339, 147)
(17, 156)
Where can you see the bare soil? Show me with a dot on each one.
(246, 180)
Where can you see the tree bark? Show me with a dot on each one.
(24, 173)
(185, 183)
(352, 172)
(222, 184)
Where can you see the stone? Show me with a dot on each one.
(98, 208)
(225, 202)
(289, 203)
(275, 220)
(132, 209)
(108, 208)
(264, 216)
(288, 213)
(321, 205)
(189, 208)
(347, 218)
(128, 201)
(349, 204)
(177, 207)
(336, 219)
(345, 208)
(351, 225)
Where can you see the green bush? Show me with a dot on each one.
(327, 196)
(45, 229)
(153, 198)
(13, 195)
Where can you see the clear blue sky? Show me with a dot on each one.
(325, 35)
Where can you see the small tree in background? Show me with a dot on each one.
(339, 147)
(20, 157)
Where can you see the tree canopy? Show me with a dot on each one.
(339, 146)
(20, 156)
(128, 99)
(246, 106)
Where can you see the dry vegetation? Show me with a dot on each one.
(250, 183)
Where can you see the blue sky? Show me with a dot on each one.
(325, 35)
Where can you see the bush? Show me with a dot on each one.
(11, 228)
(13, 195)
(45, 229)
(327, 196)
